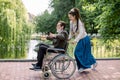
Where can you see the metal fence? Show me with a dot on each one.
(99, 49)
(101, 52)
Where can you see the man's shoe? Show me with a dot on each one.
(33, 65)
(36, 68)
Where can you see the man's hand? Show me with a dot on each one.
(43, 37)
(52, 35)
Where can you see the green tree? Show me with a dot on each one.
(88, 12)
(47, 21)
(109, 19)
(13, 25)
(99, 16)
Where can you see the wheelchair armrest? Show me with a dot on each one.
(56, 50)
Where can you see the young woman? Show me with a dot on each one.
(82, 52)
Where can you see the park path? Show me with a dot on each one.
(106, 70)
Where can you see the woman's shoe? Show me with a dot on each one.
(81, 70)
(94, 66)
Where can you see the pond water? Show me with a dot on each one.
(31, 53)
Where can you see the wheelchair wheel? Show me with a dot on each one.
(46, 74)
(63, 66)
(45, 68)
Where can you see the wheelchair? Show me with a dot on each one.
(59, 63)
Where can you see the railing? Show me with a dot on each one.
(100, 51)
(104, 52)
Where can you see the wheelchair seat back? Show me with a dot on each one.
(58, 50)
(66, 47)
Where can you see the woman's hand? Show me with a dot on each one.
(68, 39)
(73, 42)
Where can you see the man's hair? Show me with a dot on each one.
(62, 23)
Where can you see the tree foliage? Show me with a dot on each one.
(47, 21)
(109, 19)
(100, 16)
(13, 28)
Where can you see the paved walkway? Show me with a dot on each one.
(106, 70)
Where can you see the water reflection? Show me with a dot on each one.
(31, 53)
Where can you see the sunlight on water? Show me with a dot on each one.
(31, 53)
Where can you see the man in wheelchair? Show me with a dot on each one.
(59, 42)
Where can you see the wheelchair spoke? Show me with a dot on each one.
(63, 67)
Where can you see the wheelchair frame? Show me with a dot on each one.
(59, 64)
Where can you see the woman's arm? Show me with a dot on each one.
(82, 32)
(70, 32)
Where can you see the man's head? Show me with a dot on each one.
(60, 26)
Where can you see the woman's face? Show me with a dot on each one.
(71, 17)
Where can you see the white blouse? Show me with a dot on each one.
(81, 32)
